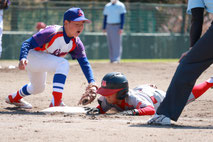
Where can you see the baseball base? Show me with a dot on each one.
(66, 110)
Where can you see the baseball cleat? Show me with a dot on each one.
(159, 120)
(20, 103)
(115, 62)
(61, 104)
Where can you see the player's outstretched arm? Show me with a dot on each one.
(148, 110)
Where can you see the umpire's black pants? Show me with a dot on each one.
(197, 60)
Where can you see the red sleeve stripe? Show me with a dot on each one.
(73, 44)
(47, 45)
(59, 34)
(138, 105)
(153, 100)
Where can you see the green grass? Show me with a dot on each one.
(134, 60)
(107, 60)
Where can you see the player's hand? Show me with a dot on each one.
(104, 32)
(93, 111)
(184, 54)
(120, 31)
(153, 86)
(22, 64)
(129, 112)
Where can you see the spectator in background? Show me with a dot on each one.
(4, 4)
(40, 25)
(114, 14)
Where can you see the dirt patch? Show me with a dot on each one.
(17, 125)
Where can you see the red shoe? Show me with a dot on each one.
(20, 103)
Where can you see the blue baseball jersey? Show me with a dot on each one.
(207, 4)
(113, 12)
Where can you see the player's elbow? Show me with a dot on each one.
(149, 110)
(152, 112)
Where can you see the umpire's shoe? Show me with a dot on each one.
(159, 120)
(20, 103)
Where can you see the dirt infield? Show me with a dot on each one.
(195, 123)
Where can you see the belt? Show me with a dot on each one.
(115, 24)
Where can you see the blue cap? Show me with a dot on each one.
(75, 14)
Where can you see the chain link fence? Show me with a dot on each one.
(140, 17)
(150, 30)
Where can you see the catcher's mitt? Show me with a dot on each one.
(89, 95)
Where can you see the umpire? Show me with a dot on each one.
(191, 66)
(114, 13)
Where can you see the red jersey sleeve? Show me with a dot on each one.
(148, 110)
(101, 110)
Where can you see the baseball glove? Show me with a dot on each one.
(89, 95)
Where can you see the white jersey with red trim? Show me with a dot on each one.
(54, 40)
(139, 97)
(57, 45)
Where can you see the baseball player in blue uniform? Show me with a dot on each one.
(45, 51)
(114, 15)
(191, 66)
(142, 100)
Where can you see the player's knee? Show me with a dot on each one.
(63, 67)
(183, 82)
(38, 89)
